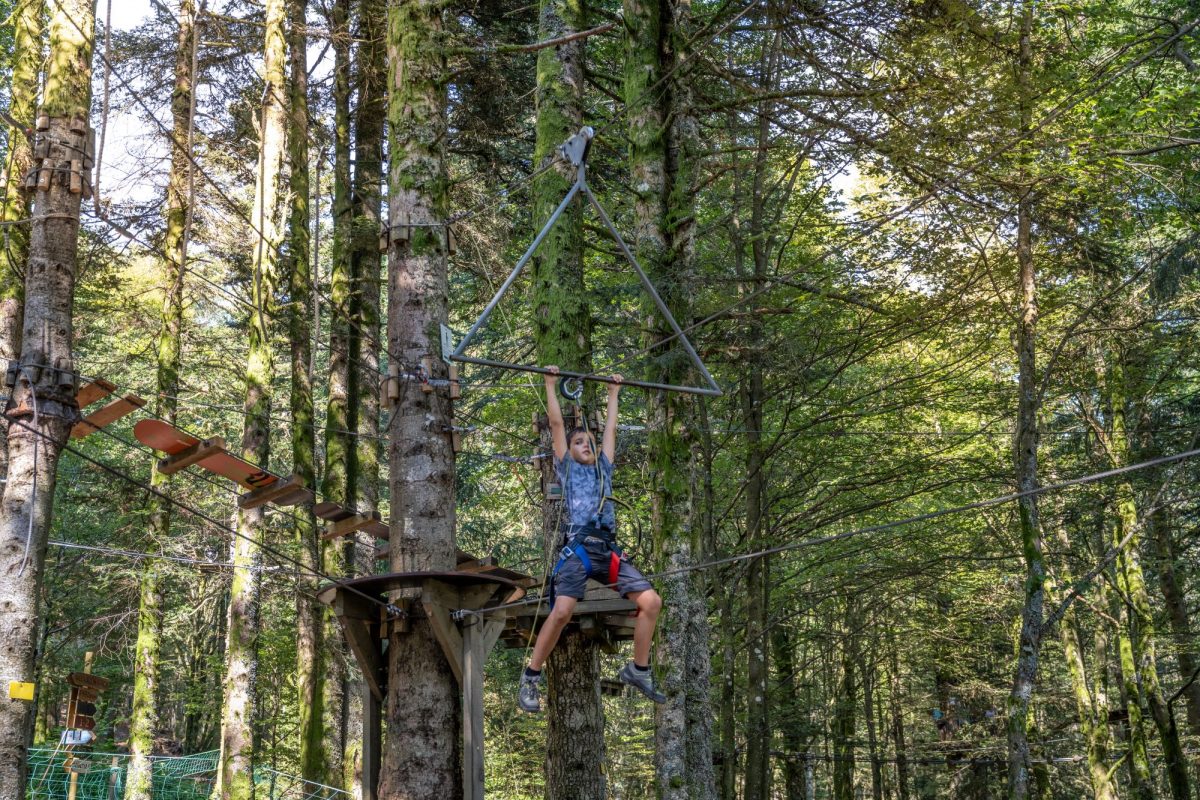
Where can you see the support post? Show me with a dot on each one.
(372, 743)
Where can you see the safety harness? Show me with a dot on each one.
(577, 548)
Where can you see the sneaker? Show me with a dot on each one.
(641, 681)
(528, 697)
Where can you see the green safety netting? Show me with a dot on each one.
(101, 776)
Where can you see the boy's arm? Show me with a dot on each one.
(609, 445)
(558, 429)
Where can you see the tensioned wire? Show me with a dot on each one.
(960, 509)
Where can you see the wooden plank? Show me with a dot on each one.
(349, 525)
(87, 680)
(106, 415)
(331, 512)
(169, 465)
(96, 390)
(274, 492)
(484, 564)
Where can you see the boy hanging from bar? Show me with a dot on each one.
(588, 525)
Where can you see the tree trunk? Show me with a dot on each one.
(1026, 458)
(868, 684)
(660, 166)
(42, 405)
(241, 657)
(1131, 582)
(898, 740)
(575, 750)
(1090, 704)
(310, 652)
(340, 473)
(422, 753)
(16, 202)
(787, 703)
(843, 723)
(1161, 535)
(144, 716)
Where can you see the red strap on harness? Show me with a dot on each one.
(614, 568)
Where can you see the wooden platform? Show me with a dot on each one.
(602, 615)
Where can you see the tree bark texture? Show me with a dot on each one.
(15, 205)
(422, 754)
(310, 652)
(42, 406)
(241, 657)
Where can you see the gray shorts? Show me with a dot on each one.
(571, 580)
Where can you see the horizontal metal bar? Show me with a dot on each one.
(562, 373)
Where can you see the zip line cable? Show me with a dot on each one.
(944, 512)
(306, 570)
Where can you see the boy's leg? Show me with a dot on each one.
(552, 628)
(649, 603)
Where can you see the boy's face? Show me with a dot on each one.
(581, 449)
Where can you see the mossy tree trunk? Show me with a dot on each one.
(662, 133)
(241, 657)
(15, 204)
(340, 474)
(1026, 450)
(35, 440)
(364, 257)
(144, 716)
(422, 753)
(1091, 701)
(310, 650)
(1131, 584)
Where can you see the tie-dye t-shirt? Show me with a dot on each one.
(582, 487)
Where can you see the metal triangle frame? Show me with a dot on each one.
(574, 151)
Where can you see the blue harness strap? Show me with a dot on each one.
(573, 549)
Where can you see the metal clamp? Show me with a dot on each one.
(575, 150)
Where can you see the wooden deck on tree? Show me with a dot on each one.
(602, 615)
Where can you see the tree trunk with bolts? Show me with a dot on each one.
(41, 407)
(422, 754)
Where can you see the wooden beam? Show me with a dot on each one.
(357, 617)
(287, 492)
(106, 415)
(437, 600)
(169, 465)
(372, 744)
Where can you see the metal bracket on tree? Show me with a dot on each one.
(574, 151)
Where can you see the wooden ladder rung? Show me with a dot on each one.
(106, 415)
(91, 392)
(169, 465)
(286, 492)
